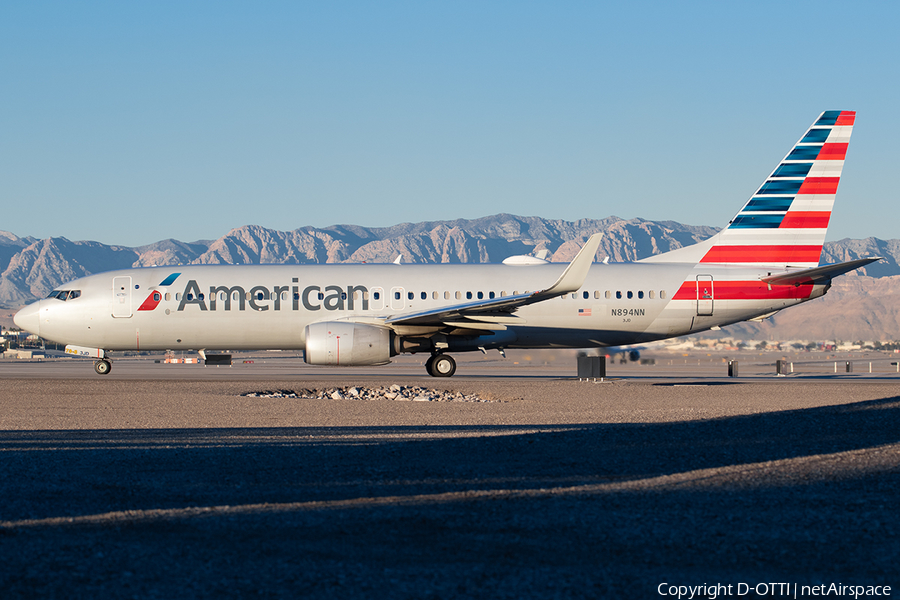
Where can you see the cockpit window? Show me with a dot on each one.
(64, 294)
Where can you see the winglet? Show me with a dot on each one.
(574, 275)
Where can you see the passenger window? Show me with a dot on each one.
(662, 294)
(585, 295)
(366, 295)
(168, 296)
(410, 295)
(502, 294)
(396, 295)
(434, 295)
(618, 295)
(446, 295)
(376, 296)
(468, 295)
(156, 296)
(596, 294)
(491, 295)
(608, 294)
(178, 296)
(190, 297)
(343, 295)
(640, 295)
(574, 296)
(651, 294)
(424, 295)
(459, 295)
(630, 294)
(321, 295)
(480, 295)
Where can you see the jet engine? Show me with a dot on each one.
(347, 344)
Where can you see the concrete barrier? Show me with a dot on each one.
(591, 367)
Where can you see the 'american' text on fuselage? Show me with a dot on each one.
(313, 297)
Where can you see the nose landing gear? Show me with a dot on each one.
(440, 365)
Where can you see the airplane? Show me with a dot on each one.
(764, 260)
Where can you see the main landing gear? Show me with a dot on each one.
(102, 366)
(440, 365)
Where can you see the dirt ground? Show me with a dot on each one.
(141, 485)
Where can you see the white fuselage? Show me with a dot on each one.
(269, 306)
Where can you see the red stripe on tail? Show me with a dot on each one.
(806, 220)
(819, 185)
(833, 152)
(847, 117)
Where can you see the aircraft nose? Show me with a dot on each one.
(29, 318)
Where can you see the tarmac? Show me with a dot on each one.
(161, 481)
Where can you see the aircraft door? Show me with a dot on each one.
(377, 300)
(121, 297)
(705, 295)
(397, 301)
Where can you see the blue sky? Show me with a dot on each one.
(132, 122)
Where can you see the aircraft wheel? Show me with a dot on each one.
(429, 365)
(103, 367)
(442, 366)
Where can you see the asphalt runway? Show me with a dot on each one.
(162, 481)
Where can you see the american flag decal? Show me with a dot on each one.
(584, 312)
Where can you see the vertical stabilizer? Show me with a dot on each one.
(784, 223)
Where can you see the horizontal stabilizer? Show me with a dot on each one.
(822, 274)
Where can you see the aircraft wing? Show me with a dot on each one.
(498, 310)
(821, 274)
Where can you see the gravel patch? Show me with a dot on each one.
(394, 392)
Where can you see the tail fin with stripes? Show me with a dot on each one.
(784, 223)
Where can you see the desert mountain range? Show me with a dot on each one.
(861, 306)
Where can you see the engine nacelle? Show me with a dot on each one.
(347, 344)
